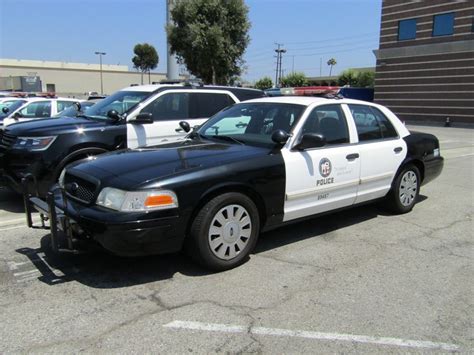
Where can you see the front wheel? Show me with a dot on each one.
(405, 190)
(225, 231)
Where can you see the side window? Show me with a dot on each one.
(205, 105)
(172, 106)
(37, 109)
(388, 131)
(328, 120)
(62, 105)
(371, 123)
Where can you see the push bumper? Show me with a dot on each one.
(74, 228)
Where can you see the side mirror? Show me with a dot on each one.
(311, 140)
(77, 105)
(185, 126)
(5, 109)
(143, 118)
(114, 115)
(280, 136)
(17, 115)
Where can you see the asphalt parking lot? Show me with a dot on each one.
(358, 281)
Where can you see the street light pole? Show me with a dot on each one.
(100, 54)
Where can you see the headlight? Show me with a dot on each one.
(34, 143)
(137, 201)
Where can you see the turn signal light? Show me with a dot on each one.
(159, 200)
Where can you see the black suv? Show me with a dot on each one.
(132, 117)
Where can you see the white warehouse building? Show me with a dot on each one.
(71, 79)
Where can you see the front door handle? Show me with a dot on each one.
(397, 149)
(178, 130)
(352, 156)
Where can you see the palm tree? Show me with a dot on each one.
(331, 62)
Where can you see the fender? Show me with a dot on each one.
(237, 187)
(69, 158)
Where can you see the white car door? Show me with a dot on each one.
(325, 178)
(381, 151)
(170, 107)
(30, 111)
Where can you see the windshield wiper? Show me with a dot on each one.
(228, 138)
(84, 116)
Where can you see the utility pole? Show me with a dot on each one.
(320, 67)
(279, 51)
(172, 63)
(100, 54)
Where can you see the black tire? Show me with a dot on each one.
(200, 237)
(403, 197)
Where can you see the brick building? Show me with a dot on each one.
(425, 60)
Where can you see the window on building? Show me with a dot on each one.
(443, 24)
(407, 29)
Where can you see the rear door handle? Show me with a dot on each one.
(397, 149)
(352, 156)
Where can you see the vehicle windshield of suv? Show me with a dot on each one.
(12, 106)
(251, 123)
(121, 101)
(71, 111)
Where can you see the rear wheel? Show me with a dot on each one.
(225, 231)
(405, 190)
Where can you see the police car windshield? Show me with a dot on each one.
(121, 101)
(72, 111)
(12, 105)
(252, 123)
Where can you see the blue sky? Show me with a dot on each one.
(311, 30)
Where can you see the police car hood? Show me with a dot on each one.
(139, 168)
(51, 126)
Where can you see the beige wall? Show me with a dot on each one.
(76, 78)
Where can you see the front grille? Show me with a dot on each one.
(7, 140)
(80, 188)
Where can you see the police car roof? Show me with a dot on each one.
(307, 100)
(154, 87)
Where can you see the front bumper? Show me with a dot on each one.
(16, 164)
(74, 227)
(433, 169)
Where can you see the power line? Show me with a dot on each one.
(335, 38)
(332, 45)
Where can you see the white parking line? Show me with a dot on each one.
(10, 228)
(226, 328)
(12, 221)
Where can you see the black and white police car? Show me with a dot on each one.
(250, 168)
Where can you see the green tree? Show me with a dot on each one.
(356, 78)
(264, 83)
(348, 77)
(210, 37)
(331, 62)
(145, 59)
(366, 79)
(294, 80)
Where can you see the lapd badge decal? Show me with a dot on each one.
(325, 169)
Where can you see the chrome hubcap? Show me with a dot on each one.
(408, 188)
(229, 232)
